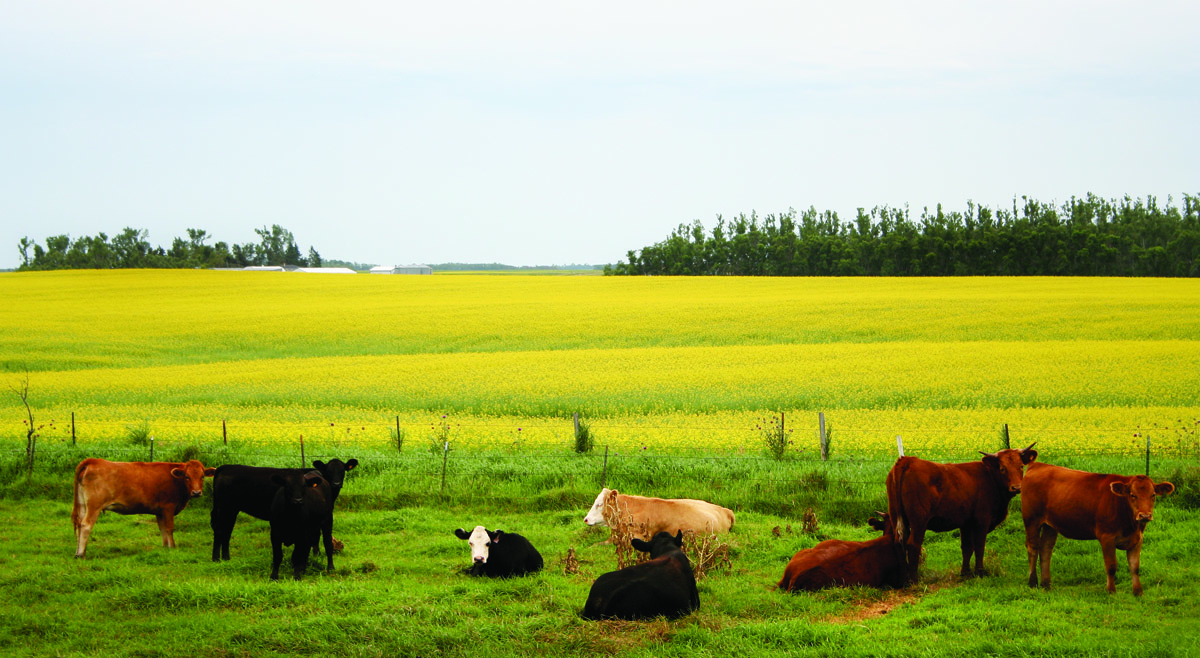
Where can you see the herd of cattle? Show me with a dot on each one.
(971, 497)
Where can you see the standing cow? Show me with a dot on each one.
(1113, 509)
(250, 489)
(302, 510)
(837, 563)
(972, 498)
(650, 516)
(500, 554)
(159, 488)
(665, 586)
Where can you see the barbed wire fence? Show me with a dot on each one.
(427, 453)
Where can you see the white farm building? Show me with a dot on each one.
(402, 269)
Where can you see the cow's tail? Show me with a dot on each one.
(895, 482)
(79, 510)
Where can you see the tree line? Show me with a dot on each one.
(130, 248)
(1091, 236)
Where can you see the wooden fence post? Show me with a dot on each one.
(899, 445)
(151, 448)
(72, 429)
(302, 451)
(224, 433)
(445, 457)
(824, 441)
(1147, 455)
(398, 444)
(1007, 445)
(576, 425)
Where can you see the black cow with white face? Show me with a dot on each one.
(249, 489)
(499, 554)
(301, 511)
(665, 586)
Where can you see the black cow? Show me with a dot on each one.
(500, 554)
(249, 489)
(302, 509)
(663, 586)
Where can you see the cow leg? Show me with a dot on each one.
(85, 529)
(1110, 564)
(1134, 556)
(166, 527)
(980, 537)
(1049, 538)
(327, 537)
(912, 549)
(966, 536)
(1033, 547)
(276, 555)
(300, 559)
(222, 523)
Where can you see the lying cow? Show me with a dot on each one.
(500, 554)
(664, 586)
(972, 498)
(250, 489)
(301, 510)
(1113, 509)
(649, 516)
(837, 563)
(159, 488)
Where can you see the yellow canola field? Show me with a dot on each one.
(661, 363)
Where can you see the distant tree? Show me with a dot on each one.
(314, 259)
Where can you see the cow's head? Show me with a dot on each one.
(882, 522)
(193, 473)
(1140, 491)
(294, 486)
(1008, 466)
(335, 471)
(480, 540)
(659, 544)
(595, 516)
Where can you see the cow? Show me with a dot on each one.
(302, 509)
(837, 563)
(649, 516)
(664, 586)
(159, 488)
(1113, 509)
(499, 554)
(971, 497)
(249, 489)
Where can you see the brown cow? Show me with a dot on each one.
(837, 563)
(971, 497)
(1113, 509)
(159, 488)
(649, 516)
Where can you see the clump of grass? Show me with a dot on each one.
(584, 440)
(397, 435)
(138, 435)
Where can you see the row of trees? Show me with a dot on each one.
(1089, 236)
(130, 248)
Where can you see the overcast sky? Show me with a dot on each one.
(570, 132)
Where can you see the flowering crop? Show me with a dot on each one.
(1079, 364)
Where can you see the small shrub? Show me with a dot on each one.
(707, 553)
(810, 522)
(774, 436)
(439, 435)
(186, 453)
(1187, 487)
